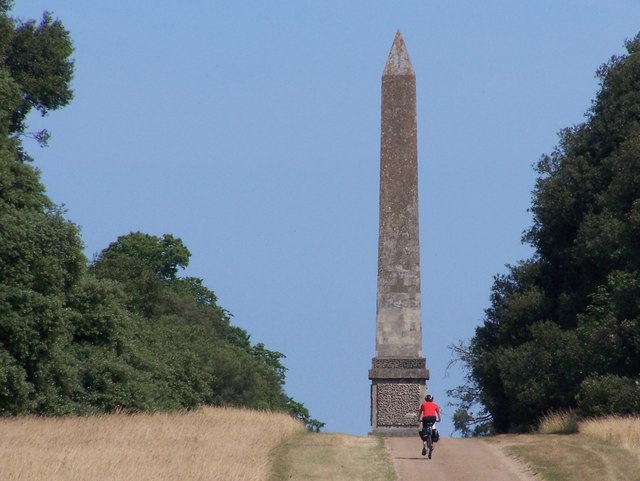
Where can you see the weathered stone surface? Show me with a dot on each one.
(397, 404)
(394, 368)
(398, 371)
(411, 363)
(398, 312)
(407, 374)
(394, 407)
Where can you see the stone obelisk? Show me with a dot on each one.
(398, 375)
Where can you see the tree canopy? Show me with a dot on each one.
(124, 332)
(563, 327)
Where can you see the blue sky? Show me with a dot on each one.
(251, 130)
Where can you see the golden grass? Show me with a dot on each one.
(619, 431)
(558, 422)
(207, 444)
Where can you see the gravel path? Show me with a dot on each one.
(454, 460)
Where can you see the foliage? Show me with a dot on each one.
(471, 418)
(564, 324)
(160, 257)
(37, 56)
(300, 412)
(608, 394)
(203, 359)
(40, 252)
(124, 332)
(35, 71)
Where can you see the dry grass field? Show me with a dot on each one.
(558, 422)
(207, 444)
(574, 457)
(619, 431)
(571, 450)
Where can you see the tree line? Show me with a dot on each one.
(122, 332)
(563, 327)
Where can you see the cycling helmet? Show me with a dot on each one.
(428, 397)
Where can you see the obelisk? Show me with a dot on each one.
(398, 375)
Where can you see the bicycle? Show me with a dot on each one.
(426, 434)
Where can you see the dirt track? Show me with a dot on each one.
(454, 460)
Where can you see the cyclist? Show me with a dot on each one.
(429, 413)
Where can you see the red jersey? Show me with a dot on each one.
(429, 408)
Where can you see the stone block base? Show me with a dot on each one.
(397, 389)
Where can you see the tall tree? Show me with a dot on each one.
(40, 252)
(125, 333)
(570, 315)
(204, 359)
(36, 68)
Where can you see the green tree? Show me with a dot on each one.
(160, 256)
(471, 417)
(608, 394)
(572, 311)
(125, 332)
(35, 71)
(200, 358)
(40, 252)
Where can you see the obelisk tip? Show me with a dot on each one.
(398, 62)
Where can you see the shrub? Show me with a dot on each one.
(608, 394)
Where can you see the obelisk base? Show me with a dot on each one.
(397, 389)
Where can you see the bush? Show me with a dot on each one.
(608, 394)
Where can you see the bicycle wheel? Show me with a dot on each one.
(429, 444)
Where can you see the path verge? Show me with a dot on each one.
(571, 457)
(338, 457)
